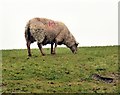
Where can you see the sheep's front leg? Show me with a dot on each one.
(52, 52)
(28, 48)
(40, 48)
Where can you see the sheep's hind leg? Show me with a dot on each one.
(40, 48)
(28, 48)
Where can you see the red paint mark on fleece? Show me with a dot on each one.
(51, 23)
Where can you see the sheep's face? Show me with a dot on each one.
(74, 48)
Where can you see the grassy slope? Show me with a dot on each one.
(63, 72)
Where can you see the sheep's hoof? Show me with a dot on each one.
(43, 54)
(29, 55)
(53, 53)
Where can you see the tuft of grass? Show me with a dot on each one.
(63, 72)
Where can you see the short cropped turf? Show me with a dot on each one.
(64, 72)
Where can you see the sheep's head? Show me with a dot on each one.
(74, 47)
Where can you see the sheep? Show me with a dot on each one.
(47, 31)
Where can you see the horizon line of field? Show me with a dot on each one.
(65, 47)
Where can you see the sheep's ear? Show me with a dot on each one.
(76, 43)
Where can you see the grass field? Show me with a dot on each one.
(63, 72)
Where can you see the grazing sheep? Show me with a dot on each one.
(46, 31)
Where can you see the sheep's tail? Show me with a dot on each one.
(27, 32)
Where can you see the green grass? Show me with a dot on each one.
(63, 72)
